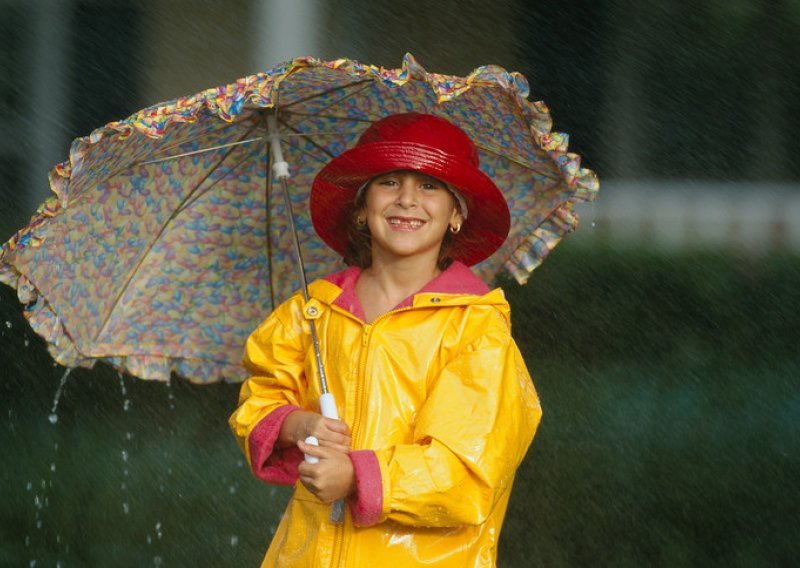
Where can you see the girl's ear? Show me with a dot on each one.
(456, 219)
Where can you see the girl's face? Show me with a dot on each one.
(408, 214)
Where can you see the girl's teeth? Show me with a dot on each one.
(413, 223)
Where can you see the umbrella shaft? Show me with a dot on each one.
(283, 179)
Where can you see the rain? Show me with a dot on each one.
(662, 335)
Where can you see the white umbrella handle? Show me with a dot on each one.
(328, 407)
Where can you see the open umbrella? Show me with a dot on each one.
(168, 240)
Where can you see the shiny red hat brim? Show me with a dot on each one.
(335, 187)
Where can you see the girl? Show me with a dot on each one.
(437, 408)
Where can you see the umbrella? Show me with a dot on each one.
(167, 239)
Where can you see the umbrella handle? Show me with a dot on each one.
(327, 405)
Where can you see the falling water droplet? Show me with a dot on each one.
(29, 486)
(234, 540)
(129, 436)
(126, 508)
(126, 405)
(27, 540)
(27, 342)
(124, 455)
(149, 539)
(32, 564)
(157, 560)
(232, 489)
(123, 486)
(39, 524)
(53, 415)
(8, 324)
(594, 224)
(52, 466)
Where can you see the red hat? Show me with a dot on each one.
(424, 143)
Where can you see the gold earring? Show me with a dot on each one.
(455, 229)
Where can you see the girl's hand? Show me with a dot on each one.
(329, 479)
(330, 433)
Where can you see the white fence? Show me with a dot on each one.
(751, 216)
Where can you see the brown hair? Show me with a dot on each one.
(359, 240)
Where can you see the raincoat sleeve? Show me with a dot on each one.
(470, 436)
(274, 354)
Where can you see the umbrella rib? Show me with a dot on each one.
(331, 90)
(201, 151)
(168, 221)
(311, 140)
(499, 154)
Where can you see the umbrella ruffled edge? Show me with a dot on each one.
(45, 322)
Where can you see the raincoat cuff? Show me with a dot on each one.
(271, 464)
(366, 504)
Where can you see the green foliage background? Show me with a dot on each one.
(670, 435)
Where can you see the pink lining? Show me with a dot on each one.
(366, 505)
(456, 279)
(271, 464)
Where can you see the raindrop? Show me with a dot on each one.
(149, 539)
(53, 416)
(29, 486)
(126, 405)
(32, 564)
(27, 342)
(39, 524)
(232, 489)
(27, 540)
(8, 324)
(157, 561)
(125, 472)
(52, 466)
(234, 540)
(124, 455)
(126, 508)
(129, 436)
(123, 486)
(594, 224)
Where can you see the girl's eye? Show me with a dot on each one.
(430, 186)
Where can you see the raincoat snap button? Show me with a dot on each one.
(312, 311)
(436, 300)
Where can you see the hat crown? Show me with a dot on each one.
(424, 129)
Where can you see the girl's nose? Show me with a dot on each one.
(407, 193)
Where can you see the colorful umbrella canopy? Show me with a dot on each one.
(167, 239)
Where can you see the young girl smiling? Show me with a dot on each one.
(437, 408)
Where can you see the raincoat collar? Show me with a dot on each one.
(453, 284)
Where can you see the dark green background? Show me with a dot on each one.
(671, 431)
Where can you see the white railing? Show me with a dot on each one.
(691, 214)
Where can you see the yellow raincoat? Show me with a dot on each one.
(441, 409)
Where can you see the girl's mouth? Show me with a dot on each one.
(405, 223)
